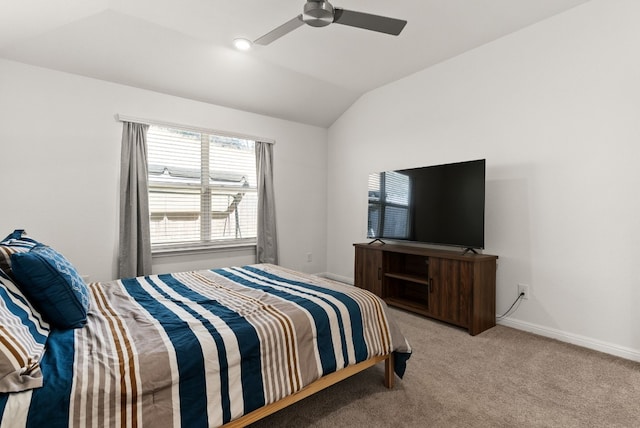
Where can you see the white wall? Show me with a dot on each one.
(60, 157)
(555, 110)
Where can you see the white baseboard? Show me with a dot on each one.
(585, 342)
(335, 277)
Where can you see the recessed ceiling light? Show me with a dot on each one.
(242, 44)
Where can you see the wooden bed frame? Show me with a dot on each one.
(316, 386)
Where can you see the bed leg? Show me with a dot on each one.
(389, 375)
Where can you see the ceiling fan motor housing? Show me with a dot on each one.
(317, 13)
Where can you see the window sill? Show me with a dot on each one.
(205, 249)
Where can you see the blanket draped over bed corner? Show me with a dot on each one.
(199, 349)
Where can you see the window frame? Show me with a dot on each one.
(205, 191)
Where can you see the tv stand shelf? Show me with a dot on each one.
(411, 278)
(407, 304)
(453, 287)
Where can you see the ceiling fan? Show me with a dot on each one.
(320, 13)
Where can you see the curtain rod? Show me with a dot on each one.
(123, 118)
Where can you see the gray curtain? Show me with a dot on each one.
(134, 258)
(267, 248)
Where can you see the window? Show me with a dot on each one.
(389, 194)
(202, 189)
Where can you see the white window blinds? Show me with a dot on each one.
(202, 189)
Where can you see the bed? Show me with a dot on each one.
(198, 349)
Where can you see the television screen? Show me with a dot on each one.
(441, 204)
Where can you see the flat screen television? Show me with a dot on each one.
(440, 204)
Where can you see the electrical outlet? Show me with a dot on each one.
(309, 257)
(523, 288)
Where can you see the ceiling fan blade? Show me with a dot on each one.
(285, 28)
(381, 24)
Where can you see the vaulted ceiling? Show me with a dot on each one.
(311, 75)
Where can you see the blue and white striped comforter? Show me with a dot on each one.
(198, 349)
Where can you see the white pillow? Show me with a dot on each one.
(23, 334)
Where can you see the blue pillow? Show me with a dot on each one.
(52, 285)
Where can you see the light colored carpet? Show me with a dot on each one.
(500, 378)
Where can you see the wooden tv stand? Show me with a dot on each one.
(456, 288)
